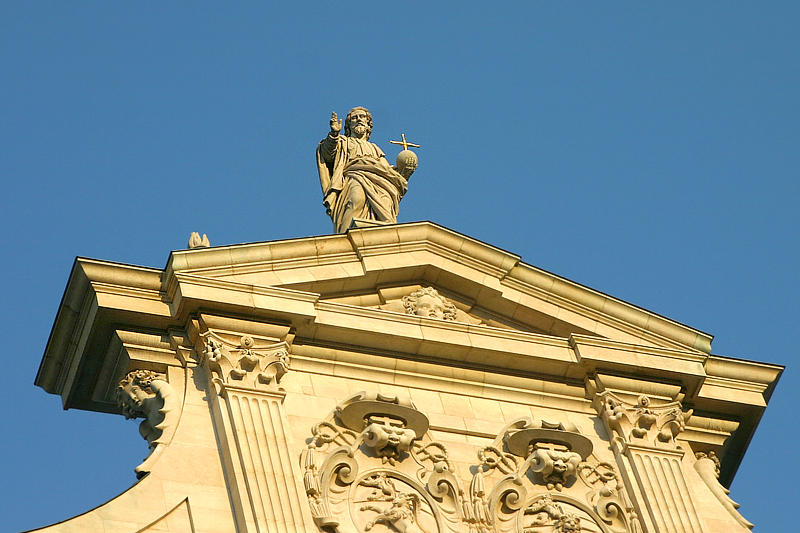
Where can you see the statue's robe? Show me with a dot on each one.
(345, 163)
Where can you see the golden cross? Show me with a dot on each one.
(405, 144)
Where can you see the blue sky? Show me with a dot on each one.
(647, 151)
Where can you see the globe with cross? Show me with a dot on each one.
(406, 162)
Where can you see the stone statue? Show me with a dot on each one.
(358, 183)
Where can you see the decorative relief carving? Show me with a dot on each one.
(428, 302)
(535, 463)
(371, 466)
(707, 466)
(545, 512)
(146, 394)
(643, 440)
(402, 510)
(245, 364)
(643, 423)
(371, 463)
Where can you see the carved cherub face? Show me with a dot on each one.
(428, 302)
(429, 306)
(130, 401)
(133, 390)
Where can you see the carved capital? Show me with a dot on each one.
(642, 422)
(246, 364)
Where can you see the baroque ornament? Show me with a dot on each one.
(533, 467)
(371, 463)
(371, 466)
(245, 364)
(643, 423)
(428, 302)
(707, 465)
(146, 394)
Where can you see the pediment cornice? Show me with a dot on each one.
(363, 260)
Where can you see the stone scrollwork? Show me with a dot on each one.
(147, 394)
(533, 467)
(642, 422)
(371, 466)
(372, 463)
(246, 364)
(707, 466)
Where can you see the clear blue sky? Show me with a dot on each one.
(650, 152)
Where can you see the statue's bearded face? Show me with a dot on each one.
(358, 122)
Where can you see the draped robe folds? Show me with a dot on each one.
(346, 163)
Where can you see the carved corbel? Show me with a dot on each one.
(707, 466)
(147, 394)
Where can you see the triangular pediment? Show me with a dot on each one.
(375, 268)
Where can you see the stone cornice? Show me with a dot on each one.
(366, 247)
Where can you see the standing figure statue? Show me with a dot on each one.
(358, 183)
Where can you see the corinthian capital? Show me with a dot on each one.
(246, 364)
(644, 422)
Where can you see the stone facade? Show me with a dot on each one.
(399, 378)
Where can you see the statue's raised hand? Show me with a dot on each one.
(336, 124)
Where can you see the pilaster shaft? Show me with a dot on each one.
(263, 477)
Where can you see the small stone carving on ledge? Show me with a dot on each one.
(428, 302)
(195, 241)
(707, 466)
(146, 394)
